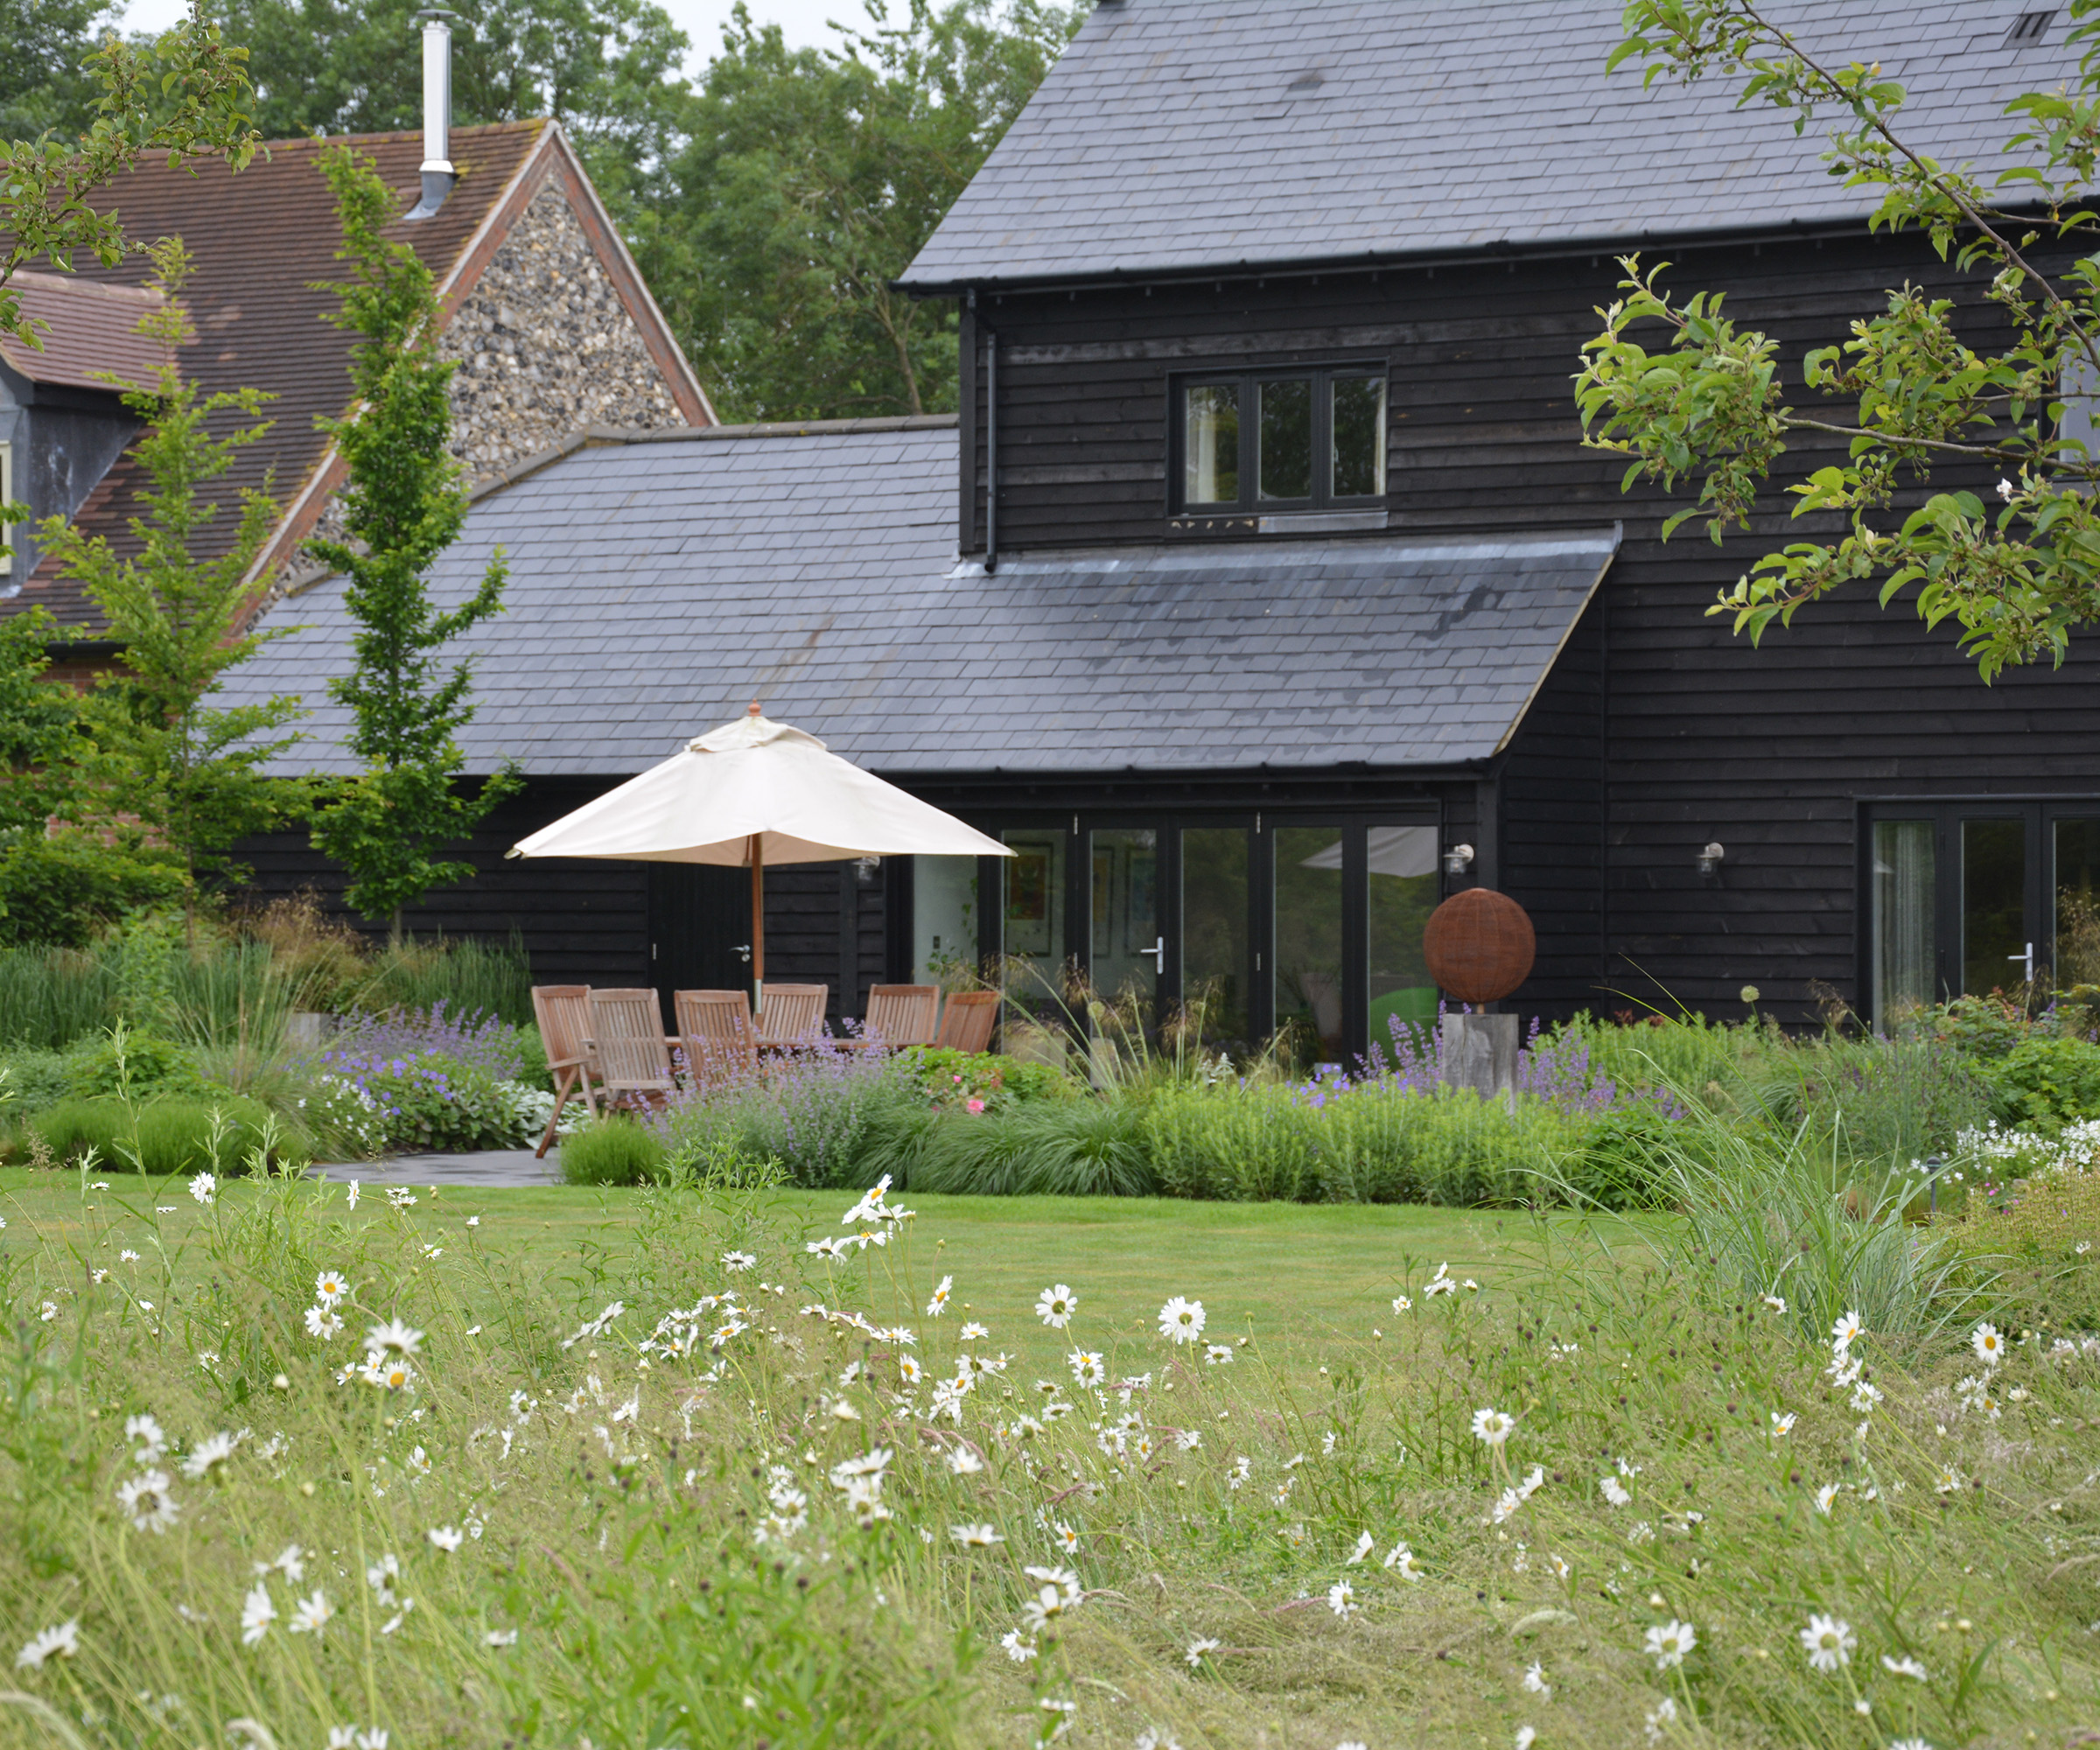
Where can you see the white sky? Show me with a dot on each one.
(801, 21)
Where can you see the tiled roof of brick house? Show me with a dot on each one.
(1185, 136)
(659, 581)
(263, 241)
(86, 333)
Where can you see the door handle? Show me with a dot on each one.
(1157, 952)
(743, 952)
(2026, 960)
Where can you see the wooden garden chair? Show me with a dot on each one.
(564, 1012)
(626, 1036)
(901, 1015)
(794, 1014)
(714, 1026)
(966, 1022)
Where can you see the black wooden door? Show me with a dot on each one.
(699, 930)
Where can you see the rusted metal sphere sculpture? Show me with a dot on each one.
(1479, 945)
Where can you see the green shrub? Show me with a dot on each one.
(1091, 1147)
(134, 1064)
(1893, 1100)
(433, 1102)
(1617, 1163)
(615, 1151)
(50, 997)
(954, 1077)
(35, 1080)
(61, 889)
(172, 1135)
(717, 1164)
(471, 978)
(2047, 1083)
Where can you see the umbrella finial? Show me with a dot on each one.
(754, 710)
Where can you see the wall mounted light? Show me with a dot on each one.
(1458, 860)
(1710, 859)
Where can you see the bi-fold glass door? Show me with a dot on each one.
(1243, 922)
(1968, 898)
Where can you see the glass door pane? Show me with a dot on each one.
(1127, 946)
(2077, 884)
(1401, 867)
(1216, 944)
(1994, 905)
(1031, 917)
(944, 921)
(1308, 936)
(1903, 915)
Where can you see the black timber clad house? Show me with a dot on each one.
(1270, 570)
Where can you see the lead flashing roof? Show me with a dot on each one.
(1182, 135)
(657, 586)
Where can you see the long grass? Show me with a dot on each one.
(620, 1490)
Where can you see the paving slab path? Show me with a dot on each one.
(485, 1167)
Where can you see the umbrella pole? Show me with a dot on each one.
(757, 924)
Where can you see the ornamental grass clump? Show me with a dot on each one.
(280, 1462)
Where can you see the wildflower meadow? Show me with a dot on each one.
(287, 1463)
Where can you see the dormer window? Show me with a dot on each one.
(1282, 440)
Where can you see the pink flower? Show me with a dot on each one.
(975, 1105)
(958, 1081)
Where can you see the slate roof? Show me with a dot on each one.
(1201, 133)
(83, 331)
(659, 584)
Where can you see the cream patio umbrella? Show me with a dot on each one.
(753, 793)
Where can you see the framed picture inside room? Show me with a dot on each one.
(1028, 876)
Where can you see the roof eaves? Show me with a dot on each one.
(1545, 249)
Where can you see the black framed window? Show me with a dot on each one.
(1270, 440)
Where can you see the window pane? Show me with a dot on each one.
(1215, 948)
(1211, 445)
(1994, 913)
(1125, 895)
(1308, 936)
(1286, 468)
(2077, 885)
(1359, 437)
(1403, 865)
(1903, 918)
(944, 921)
(1031, 918)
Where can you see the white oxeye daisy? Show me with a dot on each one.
(208, 1455)
(961, 1461)
(1989, 1345)
(257, 1613)
(1492, 1427)
(1018, 1648)
(1906, 1667)
(1054, 1306)
(1202, 1645)
(1181, 1320)
(1783, 1425)
(1341, 1599)
(1615, 1491)
(310, 1615)
(62, 1642)
(1526, 1737)
(1403, 1303)
(392, 1338)
(1846, 1331)
(1668, 1644)
(1826, 1497)
(971, 1331)
(1829, 1642)
(937, 1302)
(1088, 1368)
(1217, 1355)
(1364, 1545)
(1534, 1680)
(739, 1261)
(148, 1502)
(147, 1429)
(205, 1188)
(446, 1537)
(975, 1537)
(1402, 1561)
(1776, 1302)
(323, 1324)
(329, 1287)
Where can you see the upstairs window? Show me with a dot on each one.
(1282, 440)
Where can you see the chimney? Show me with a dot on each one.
(437, 173)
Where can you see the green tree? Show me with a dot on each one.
(39, 723)
(404, 504)
(183, 94)
(2017, 568)
(812, 178)
(159, 753)
(607, 70)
